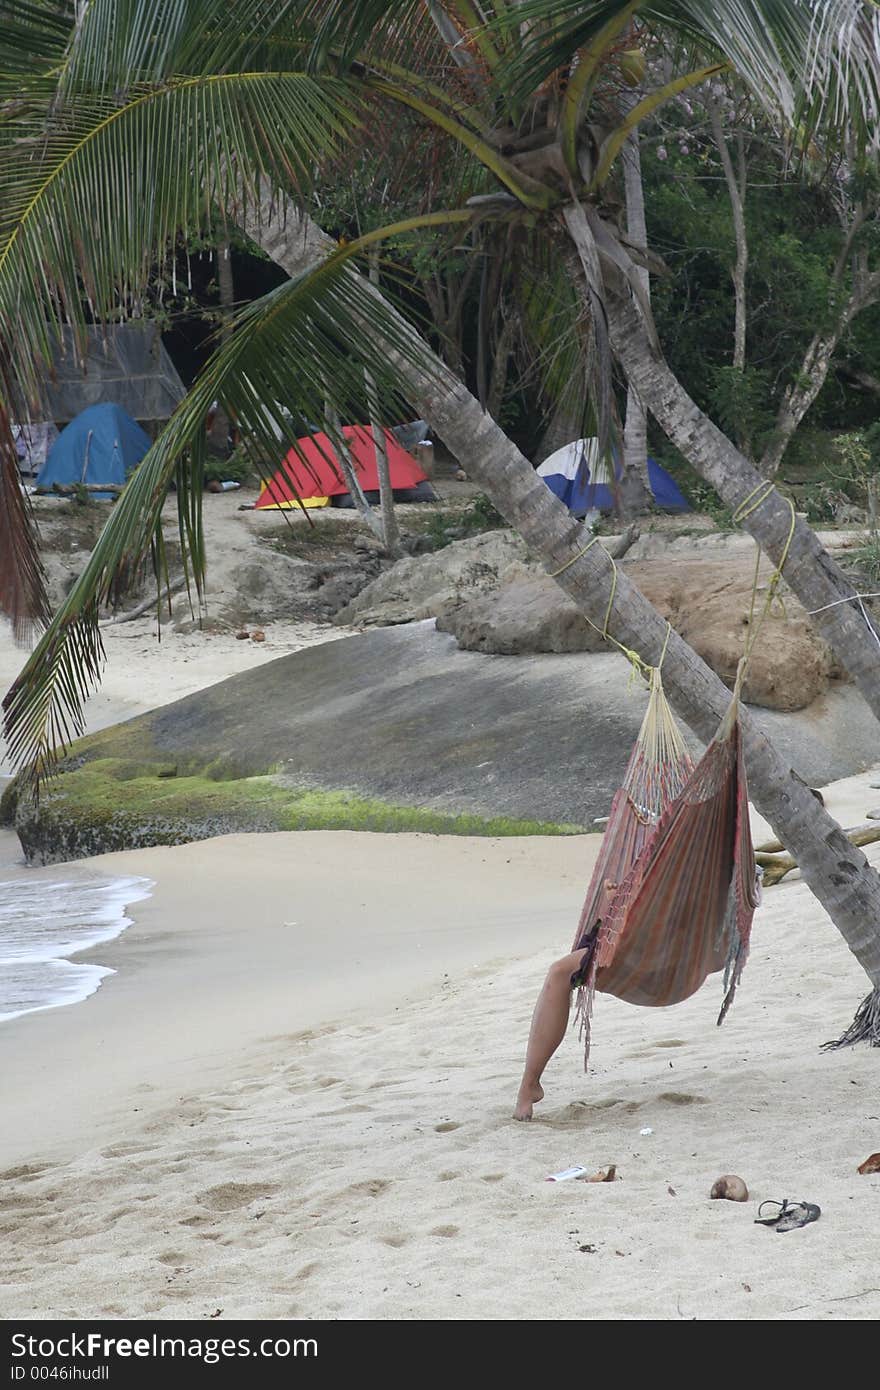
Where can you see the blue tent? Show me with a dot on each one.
(570, 471)
(102, 445)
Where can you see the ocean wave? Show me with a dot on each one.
(45, 921)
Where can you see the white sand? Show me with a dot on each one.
(279, 1120)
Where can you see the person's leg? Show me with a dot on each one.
(549, 1023)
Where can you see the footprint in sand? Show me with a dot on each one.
(230, 1195)
(446, 1231)
(681, 1098)
(395, 1241)
(25, 1172)
(671, 1042)
(446, 1177)
(493, 1177)
(373, 1187)
(447, 1127)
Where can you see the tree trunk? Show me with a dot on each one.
(220, 425)
(814, 369)
(635, 488)
(736, 192)
(836, 871)
(500, 364)
(390, 531)
(800, 396)
(809, 570)
(352, 482)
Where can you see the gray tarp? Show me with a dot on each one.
(125, 363)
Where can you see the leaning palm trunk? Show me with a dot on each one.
(809, 570)
(635, 492)
(835, 870)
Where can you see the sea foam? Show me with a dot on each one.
(45, 921)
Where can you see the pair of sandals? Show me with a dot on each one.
(790, 1215)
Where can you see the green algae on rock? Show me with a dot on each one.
(106, 804)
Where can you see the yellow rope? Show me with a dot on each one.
(756, 498)
(639, 667)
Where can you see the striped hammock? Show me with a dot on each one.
(675, 886)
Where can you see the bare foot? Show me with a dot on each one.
(528, 1096)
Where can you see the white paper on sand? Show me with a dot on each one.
(565, 1174)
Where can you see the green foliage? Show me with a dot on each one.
(871, 441)
(867, 560)
(444, 527)
(740, 403)
(237, 468)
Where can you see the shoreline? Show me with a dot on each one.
(232, 948)
(228, 1128)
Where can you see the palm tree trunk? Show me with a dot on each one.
(635, 490)
(220, 425)
(352, 481)
(809, 570)
(835, 870)
(390, 531)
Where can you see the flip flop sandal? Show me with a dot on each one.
(790, 1215)
(798, 1214)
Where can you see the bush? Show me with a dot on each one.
(235, 469)
(479, 515)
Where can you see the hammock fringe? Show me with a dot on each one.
(865, 1027)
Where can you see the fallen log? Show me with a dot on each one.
(71, 489)
(776, 865)
(151, 602)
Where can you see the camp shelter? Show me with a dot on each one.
(125, 363)
(101, 446)
(312, 473)
(581, 478)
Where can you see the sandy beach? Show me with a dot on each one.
(293, 1096)
(293, 1099)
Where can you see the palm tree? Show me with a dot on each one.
(248, 108)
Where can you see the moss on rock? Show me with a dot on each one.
(99, 804)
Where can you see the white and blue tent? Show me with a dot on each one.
(581, 478)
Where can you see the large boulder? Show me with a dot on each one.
(706, 599)
(525, 613)
(393, 729)
(708, 602)
(419, 586)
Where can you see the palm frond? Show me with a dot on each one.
(304, 345)
(22, 591)
(779, 48)
(88, 202)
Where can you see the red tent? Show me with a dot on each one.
(312, 472)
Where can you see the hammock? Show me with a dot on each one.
(675, 886)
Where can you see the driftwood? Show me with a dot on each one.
(141, 608)
(776, 865)
(628, 538)
(71, 489)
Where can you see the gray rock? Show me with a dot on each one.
(419, 586)
(269, 587)
(402, 715)
(526, 613)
